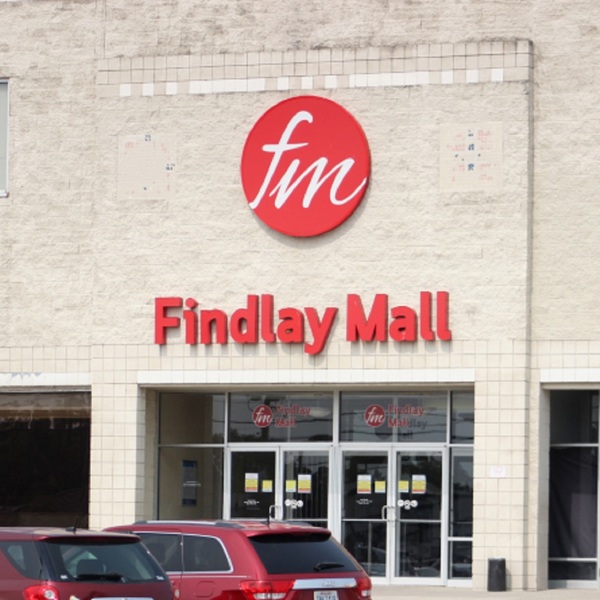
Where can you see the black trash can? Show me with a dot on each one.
(496, 575)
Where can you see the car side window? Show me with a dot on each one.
(204, 553)
(165, 547)
(24, 557)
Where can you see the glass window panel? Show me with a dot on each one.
(202, 553)
(252, 485)
(165, 547)
(461, 560)
(365, 481)
(563, 570)
(192, 418)
(463, 418)
(419, 488)
(190, 483)
(306, 486)
(281, 417)
(573, 502)
(401, 417)
(461, 508)
(420, 550)
(365, 540)
(574, 417)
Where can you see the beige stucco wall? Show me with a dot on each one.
(91, 233)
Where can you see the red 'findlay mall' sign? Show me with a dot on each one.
(305, 166)
(259, 321)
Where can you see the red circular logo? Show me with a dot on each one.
(262, 416)
(375, 415)
(305, 166)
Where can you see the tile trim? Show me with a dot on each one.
(17, 380)
(294, 376)
(495, 61)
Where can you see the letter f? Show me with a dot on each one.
(161, 320)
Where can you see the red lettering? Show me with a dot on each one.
(443, 303)
(213, 319)
(191, 322)
(426, 331)
(403, 328)
(244, 323)
(320, 329)
(291, 328)
(161, 320)
(266, 322)
(358, 327)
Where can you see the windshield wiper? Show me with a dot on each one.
(322, 566)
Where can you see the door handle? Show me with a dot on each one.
(273, 509)
(385, 512)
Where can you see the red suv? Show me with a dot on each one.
(59, 564)
(247, 560)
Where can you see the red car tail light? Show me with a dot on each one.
(364, 585)
(41, 592)
(266, 590)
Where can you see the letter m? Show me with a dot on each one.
(359, 327)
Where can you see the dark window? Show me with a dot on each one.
(573, 501)
(44, 454)
(574, 417)
(101, 560)
(204, 553)
(462, 427)
(311, 553)
(24, 557)
(165, 547)
(461, 499)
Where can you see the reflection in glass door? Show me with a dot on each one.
(277, 484)
(392, 512)
(252, 484)
(418, 542)
(306, 486)
(364, 530)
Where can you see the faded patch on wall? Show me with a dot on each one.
(146, 169)
(471, 156)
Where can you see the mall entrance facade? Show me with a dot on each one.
(389, 472)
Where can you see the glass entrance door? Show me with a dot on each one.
(280, 484)
(252, 484)
(393, 513)
(418, 514)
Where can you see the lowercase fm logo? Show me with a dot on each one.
(305, 166)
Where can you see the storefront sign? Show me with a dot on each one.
(406, 416)
(259, 321)
(284, 416)
(305, 166)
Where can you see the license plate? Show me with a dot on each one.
(326, 595)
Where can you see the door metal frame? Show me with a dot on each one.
(279, 449)
(391, 513)
(443, 451)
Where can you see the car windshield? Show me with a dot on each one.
(97, 559)
(306, 553)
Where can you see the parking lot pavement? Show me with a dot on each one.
(453, 593)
